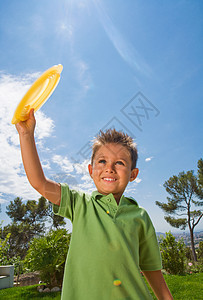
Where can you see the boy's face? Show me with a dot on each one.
(111, 170)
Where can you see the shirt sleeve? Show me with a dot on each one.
(68, 202)
(150, 257)
(149, 253)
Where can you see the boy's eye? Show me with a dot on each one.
(102, 161)
(120, 163)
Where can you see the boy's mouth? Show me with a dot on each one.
(109, 179)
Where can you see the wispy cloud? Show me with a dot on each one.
(83, 75)
(75, 174)
(149, 158)
(131, 188)
(123, 47)
(67, 29)
(64, 163)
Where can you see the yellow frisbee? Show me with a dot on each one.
(38, 93)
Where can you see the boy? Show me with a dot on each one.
(112, 238)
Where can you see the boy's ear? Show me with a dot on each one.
(90, 169)
(134, 174)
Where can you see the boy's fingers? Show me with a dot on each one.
(18, 126)
(31, 114)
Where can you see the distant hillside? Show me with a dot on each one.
(198, 237)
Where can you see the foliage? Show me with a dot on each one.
(56, 221)
(33, 212)
(200, 173)
(20, 236)
(200, 251)
(48, 254)
(5, 258)
(186, 193)
(188, 253)
(4, 248)
(16, 210)
(173, 254)
(194, 267)
(28, 221)
(18, 265)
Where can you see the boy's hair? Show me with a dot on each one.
(112, 136)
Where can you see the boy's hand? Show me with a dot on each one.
(28, 126)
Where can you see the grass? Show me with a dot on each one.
(27, 293)
(188, 287)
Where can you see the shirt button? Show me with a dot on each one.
(117, 282)
(108, 199)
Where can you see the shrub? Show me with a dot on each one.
(48, 254)
(5, 258)
(173, 254)
(200, 251)
(188, 253)
(4, 248)
(194, 267)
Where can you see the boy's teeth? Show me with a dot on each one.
(109, 179)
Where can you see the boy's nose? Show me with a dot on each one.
(110, 168)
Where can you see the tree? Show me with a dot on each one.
(20, 236)
(28, 221)
(188, 253)
(200, 177)
(56, 221)
(185, 192)
(35, 213)
(16, 210)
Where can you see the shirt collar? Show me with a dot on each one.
(123, 200)
(96, 194)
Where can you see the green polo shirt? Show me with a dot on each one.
(109, 246)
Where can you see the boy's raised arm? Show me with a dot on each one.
(47, 188)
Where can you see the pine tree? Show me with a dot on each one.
(186, 194)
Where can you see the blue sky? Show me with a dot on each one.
(120, 58)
